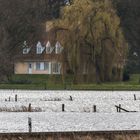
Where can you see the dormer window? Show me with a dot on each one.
(67, 2)
(58, 48)
(26, 48)
(39, 48)
(49, 48)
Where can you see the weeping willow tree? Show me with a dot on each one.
(95, 44)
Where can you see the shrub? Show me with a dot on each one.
(126, 76)
(19, 81)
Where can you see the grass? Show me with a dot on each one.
(20, 109)
(73, 136)
(106, 86)
(31, 86)
(46, 82)
(132, 84)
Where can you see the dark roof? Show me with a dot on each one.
(33, 56)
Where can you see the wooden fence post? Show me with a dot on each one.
(30, 108)
(135, 98)
(94, 108)
(63, 107)
(119, 107)
(16, 98)
(30, 124)
(9, 98)
(71, 98)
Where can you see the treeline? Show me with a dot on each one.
(21, 20)
(129, 12)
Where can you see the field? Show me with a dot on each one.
(54, 82)
(77, 114)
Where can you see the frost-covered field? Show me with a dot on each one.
(47, 115)
(82, 101)
(65, 122)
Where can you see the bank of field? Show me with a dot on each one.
(56, 82)
(119, 135)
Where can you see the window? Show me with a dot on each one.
(48, 47)
(39, 48)
(26, 48)
(58, 48)
(40, 66)
(25, 51)
(37, 66)
(56, 68)
(67, 2)
(46, 65)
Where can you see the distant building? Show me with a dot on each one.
(43, 58)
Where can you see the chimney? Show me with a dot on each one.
(49, 26)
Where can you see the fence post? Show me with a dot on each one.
(135, 97)
(119, 107)
(71, 98)
(30, 107)
(9, 98)
(16, 98)
(94, 108)
(30, 124)
(63, 107)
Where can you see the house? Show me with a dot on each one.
(41, 58)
